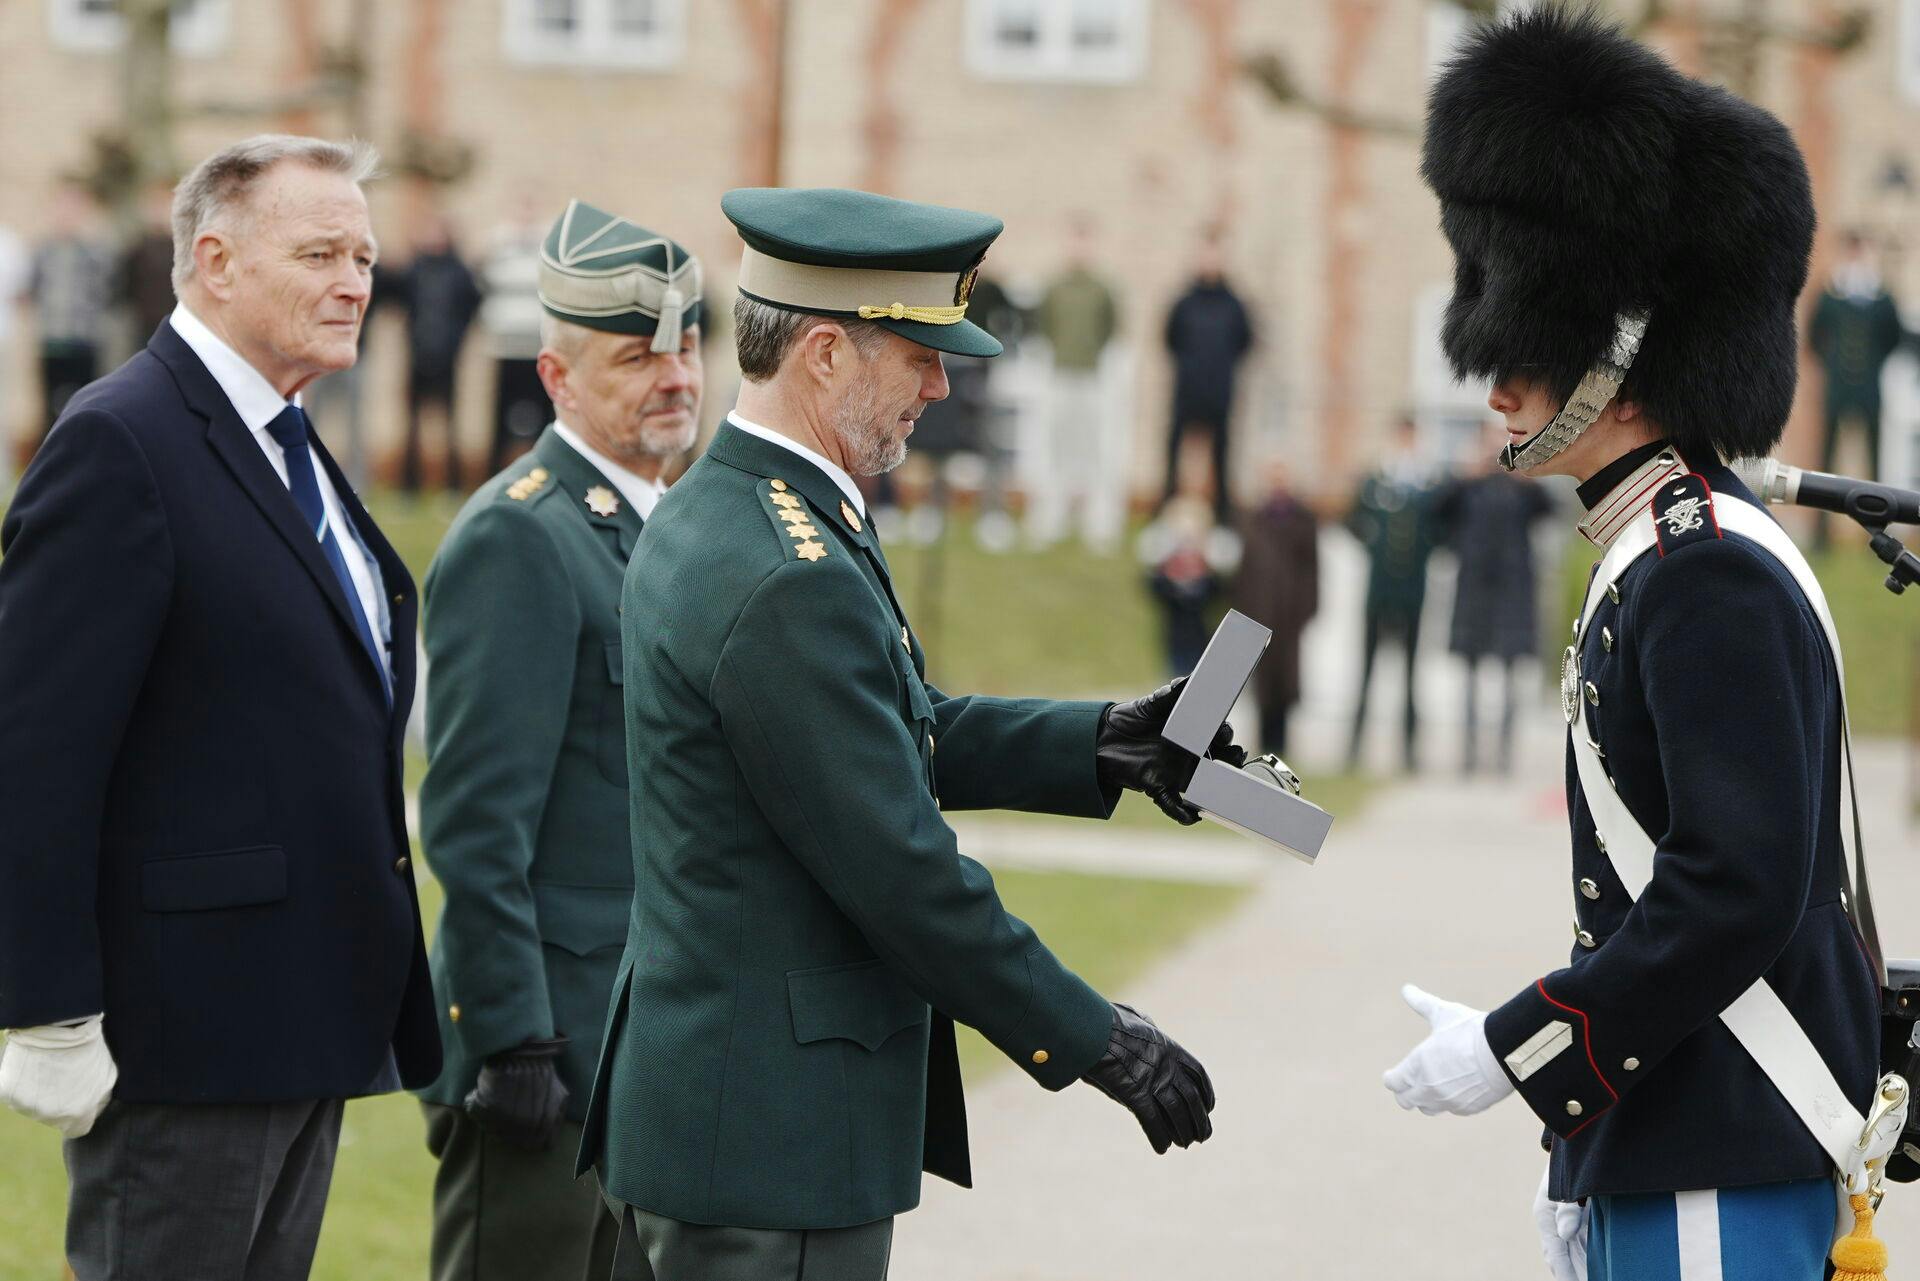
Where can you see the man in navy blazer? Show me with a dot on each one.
(210, 937)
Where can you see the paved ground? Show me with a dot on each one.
(1293, 1005)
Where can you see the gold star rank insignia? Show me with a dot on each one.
(786, 500)
(601, 501)
(849, 515)
(810, 550)
(803, 531)
(793, 516)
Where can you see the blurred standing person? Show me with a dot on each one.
(510, 316)
(143, 282)
(523, 815)
(1185, 580)
(16, 271)
(72, 289)
(1392, 516)
(1207, 333)
(1856, 326)
(442, 297)
(210, 935)
(1079, 317)
(1488, 519)
(1278, 586)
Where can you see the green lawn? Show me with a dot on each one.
(1109, 930)
(1879, 632)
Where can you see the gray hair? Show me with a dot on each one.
(218, 187)
(763, 335)
(562, 336)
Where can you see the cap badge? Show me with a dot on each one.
(601, 501)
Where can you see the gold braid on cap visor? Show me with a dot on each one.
(925, 315)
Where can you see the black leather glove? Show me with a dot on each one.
(1129, 752)
(1147, 1072)
(519, 1095)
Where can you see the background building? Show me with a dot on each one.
(1291, 124)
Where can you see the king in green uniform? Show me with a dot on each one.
(524, 810)
(779, 1063)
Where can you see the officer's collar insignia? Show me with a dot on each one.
(1683, 512)
(849, 515)
(601, 501)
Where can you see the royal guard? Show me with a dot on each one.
(1630, 244)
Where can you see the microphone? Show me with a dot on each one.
(1773, 481)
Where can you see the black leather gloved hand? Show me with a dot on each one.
(1129, 752)
(1147, 1072)
(519, 1095)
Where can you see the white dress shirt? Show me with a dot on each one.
(837, 474)
(641, 494)
(258, 404)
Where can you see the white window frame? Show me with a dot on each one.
(201, 33)
(1906, 50)
(1054, 57)
(593, 42)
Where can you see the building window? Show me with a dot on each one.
(642, 35)
(196, 27)
(1907, 50)
(1097, 41)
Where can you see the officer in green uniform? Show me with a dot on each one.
(779, 1063)
(524, 810)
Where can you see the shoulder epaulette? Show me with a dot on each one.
(1683, 512)
(789, 514)
(529, 485)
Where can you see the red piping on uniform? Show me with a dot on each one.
(1586, 1039)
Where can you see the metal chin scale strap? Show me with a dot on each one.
(1596, 390)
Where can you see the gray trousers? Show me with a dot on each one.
(656, 1248)
(200, 1191)
(502, 1213)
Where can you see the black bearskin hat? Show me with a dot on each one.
(1581, 176)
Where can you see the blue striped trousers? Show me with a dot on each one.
(1768, 1232)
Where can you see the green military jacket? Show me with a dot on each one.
(523, 814)
(771, 1059)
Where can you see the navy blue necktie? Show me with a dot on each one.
(290, 429)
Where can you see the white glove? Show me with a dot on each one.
(1453, 1070)
(62, 1076)
(1563, 1234)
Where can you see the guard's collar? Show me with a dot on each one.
(1618, 492)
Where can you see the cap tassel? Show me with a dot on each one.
(667, 336)
(1858, 1256)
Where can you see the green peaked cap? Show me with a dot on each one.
(603, 272)
(905, 266)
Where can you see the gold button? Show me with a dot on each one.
(1574, 1108)
(453, 1013)
(401, 864)
(1040, 1056)
(1589, 888)
(399, 597)
(1631, 1065)
(779, 486)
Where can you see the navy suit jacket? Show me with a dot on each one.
(204, 830)
(1719, 715)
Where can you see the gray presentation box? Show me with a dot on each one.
(1244, 800)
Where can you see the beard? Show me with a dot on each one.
(656, 441)
(864, 426)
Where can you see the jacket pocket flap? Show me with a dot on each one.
(583, 919)
(225, 878)
(616, 664)
(864, 1002)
